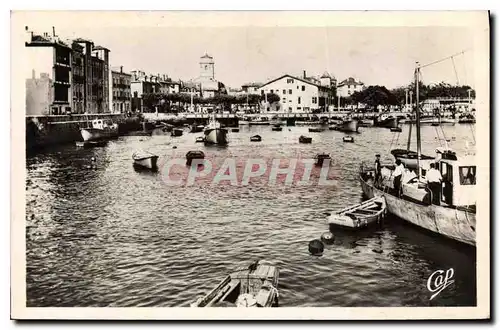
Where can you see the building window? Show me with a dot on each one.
(284, 99)
(298, 108)
(290, 91)
(298, 100)
(289, 81)
(272, 91)
(262, 92)
(314, 100)
(303, 88)
(284, 92)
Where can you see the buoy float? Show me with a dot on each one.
(92, 159)
(378, 250)
(327, 238)
(316, 247)
(174, 147)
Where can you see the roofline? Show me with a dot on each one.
(299, 79)
(119, 72)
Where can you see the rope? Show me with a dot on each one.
(455, 69)
(444, 59)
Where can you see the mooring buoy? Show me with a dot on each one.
(174, 147)
(316, 247)
(327, 238)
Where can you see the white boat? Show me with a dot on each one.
(100, 129)
(255, 285)
(386, 120)
(349, 125)
(260, 120)
(214, 133)
(360, 215)
(145, 159)
(455, 216)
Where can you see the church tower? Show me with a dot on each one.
(207, 70)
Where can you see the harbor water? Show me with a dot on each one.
(115, 236)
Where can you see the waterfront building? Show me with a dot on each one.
(205, 84)
(299, 94)
(90, 72)
(142, 83)
(73, 75)
(348, 86)
(251, 88)
(121, 91)
(50, 94)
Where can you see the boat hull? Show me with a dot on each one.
(388, 123)
(455, 224)
(216, 136)
(349, 126)
(149, 162)
(95, 134)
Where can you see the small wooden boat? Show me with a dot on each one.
(360, 215)
(176, 132)
(348, 139)
(145, 159)
(200, 139)
(305, 139)
(315, 130)
(322, 158)
(194, 154)
(396, 129)
(253, 286)
(256, 138)
(277, 128)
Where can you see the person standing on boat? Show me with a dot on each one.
(398, 174)
(378, 170)
(434, 179)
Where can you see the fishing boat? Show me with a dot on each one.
(349, 124)
(322, 158)
(256, 138)
(100, 129)
(360, 215)
(261, 120)
(277, 128)
(200, 139)
(214, 133)
(454, 216)
(255, 285)
(194, 154)
(386, 120)
(145, 159)
(409, 158)
(305, 139)
(396, 129)
(466, 119)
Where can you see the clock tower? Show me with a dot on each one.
(207, 70)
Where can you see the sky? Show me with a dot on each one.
(375, 55)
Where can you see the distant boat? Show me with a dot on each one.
(277, 129)
(145, 159)
(360, 215)
(214, 133)
(348, 139)
(176, 132)
(466, 119)
(196, 128)
(195, 154)
(100, 130)
(200, 139)
(409, 158)
(386, 120)
(315, 130)
(262, 120)
(322, 158)
(255, 285)
(256, 138)
(348, 125)
(396, 129)
(305, 139)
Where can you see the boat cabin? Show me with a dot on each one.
(459, 181)
(101, 123)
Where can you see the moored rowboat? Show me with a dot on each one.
(145, 159)
(360, 215)
(253, 286)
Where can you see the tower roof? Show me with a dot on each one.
(207, 56)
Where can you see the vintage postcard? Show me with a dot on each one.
(312, 165)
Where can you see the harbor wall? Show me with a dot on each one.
(44, 131)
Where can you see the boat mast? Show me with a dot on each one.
(419, 147)
(411, 124)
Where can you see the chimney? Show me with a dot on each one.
(53, 31)
(121, 68)
(304, 75)
(33, 74)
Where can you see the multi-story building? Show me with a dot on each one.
(251, 88)
(121, 91)
(76, 71)
(141, 84)
(298, 94)
(348, 86)
(51, 93)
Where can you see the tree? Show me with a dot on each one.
(373, 96)
(271, 98)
